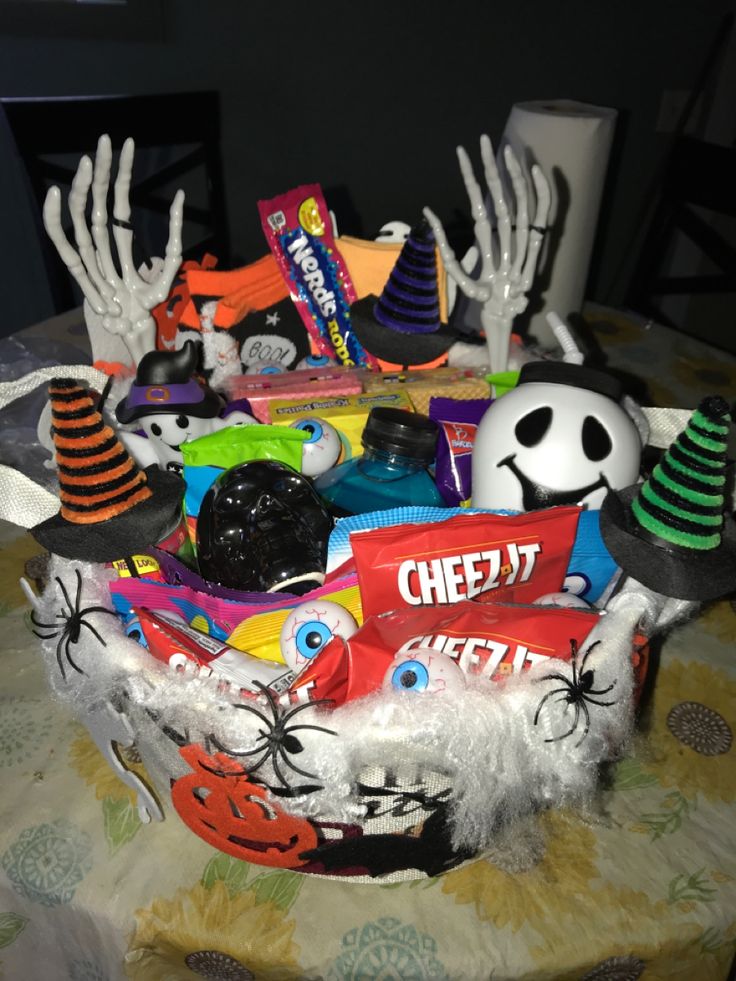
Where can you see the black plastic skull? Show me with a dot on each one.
(262, 527)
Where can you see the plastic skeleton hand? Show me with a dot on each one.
(122, 298)
(505, 278)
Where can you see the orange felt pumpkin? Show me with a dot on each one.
(220, 805)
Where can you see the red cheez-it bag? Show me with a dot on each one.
(500, 558)
(492, 640)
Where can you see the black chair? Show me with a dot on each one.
(179, 136)
(698, 175)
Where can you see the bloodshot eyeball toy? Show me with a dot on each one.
(322, 449)
(309, 627)
(424, 671)
(561, 436)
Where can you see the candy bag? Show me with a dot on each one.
(457, 421)
(298, 229)
(252, 626)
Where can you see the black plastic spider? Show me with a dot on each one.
(576, 691)
(72, 621)
(277, 742)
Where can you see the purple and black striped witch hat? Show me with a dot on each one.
(403, 325)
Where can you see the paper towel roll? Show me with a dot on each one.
(571, 141)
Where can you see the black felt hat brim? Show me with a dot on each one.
(133, 531)
(681, 573)
(395, 346)
(210, 406)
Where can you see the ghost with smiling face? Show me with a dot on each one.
(561, 436)
(172, 407)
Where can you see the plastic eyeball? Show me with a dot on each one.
(322, 449)
(424, 671)
(569, 600)
(266, 368)
(315, 361)
(309, 627)
(134, 630)
(577, 583)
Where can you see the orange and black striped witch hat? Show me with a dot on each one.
(109, 507)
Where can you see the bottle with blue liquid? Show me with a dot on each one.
(399, 447)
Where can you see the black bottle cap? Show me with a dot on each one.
(402, 433)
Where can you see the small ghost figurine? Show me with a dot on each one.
(171, 407)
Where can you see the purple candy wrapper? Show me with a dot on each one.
(457, 420)
(177, 574)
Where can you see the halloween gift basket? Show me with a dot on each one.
(355, 640)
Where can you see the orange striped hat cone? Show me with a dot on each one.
(109, 507)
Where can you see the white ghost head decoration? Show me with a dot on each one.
(172, 407)
(560, 437)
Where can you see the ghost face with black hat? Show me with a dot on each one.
(562, 436)
(171, 407)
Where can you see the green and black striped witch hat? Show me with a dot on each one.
(671, 533)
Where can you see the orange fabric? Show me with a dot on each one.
(371, 263)
(239, 291)
(116, 368)
(168, 313)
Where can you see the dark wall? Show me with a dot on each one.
(370, 100)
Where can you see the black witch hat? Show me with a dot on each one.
(403, 325)
(164, 382)
(109, 507)
(671, 533)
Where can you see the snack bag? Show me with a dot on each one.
(252, 625)
(492, 641)
(298, 229)
(589, 571)
(457, 421)
(507, 558)
(173, 642)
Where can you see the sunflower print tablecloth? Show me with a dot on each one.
(643, 886)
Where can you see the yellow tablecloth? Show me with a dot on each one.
(645, 887)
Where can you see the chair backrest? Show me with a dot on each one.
(182, 133)
(698, 175)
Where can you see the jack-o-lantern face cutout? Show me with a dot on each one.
(548, 443)
(220, 805)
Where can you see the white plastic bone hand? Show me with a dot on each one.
(121, 296)
(507, 271)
